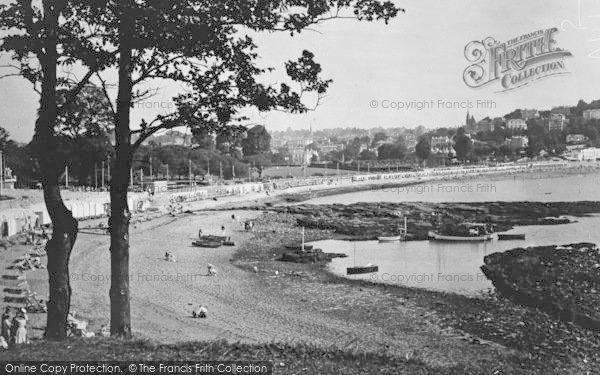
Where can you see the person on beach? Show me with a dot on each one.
(222, 230)
(212, 271)
(6, 325)
(20, 327)
(200, 312)
(232, 216)
(199, 233)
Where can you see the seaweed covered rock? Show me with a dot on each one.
(310, 256)
(369, 220)
(561, 280)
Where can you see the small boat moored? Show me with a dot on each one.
(507, 236)
(211, 244)
(369, 268)
(462, 232)
(441, 237)
(389, 239)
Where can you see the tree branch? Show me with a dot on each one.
(105, 91)
(146, 132)
(75, 91)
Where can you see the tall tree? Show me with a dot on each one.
(201, 44)
(463, 145)
(39, 37)
(378, 137)
(4, 136)
(395, 151)
(423, 148)
(257, 141)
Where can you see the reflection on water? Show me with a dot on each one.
(447, 266)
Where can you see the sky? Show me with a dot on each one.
(418, 57)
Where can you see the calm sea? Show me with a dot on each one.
(455, 267)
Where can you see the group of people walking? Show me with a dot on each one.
(14, 330)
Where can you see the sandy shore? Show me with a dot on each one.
(243, 306)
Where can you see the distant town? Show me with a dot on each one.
(565, 132)
(571, 133)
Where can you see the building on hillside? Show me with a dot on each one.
(516, 124)
(557, 122)
(576, 139)
(589, 154)
(410, 141)
(301, 155)
(485, 125)
(470, 123)
(295, 143)
(326, 148)
(517, 142)
(442, 145)
(591, 114)
(437, 141)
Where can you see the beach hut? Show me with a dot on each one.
(86, 210)
(130, 204)
(99, 210)
(74, 210)
(3, 227)
(43, 218)
(11, 227)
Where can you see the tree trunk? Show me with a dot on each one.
(120, 314)
(64, 226)
(64, 234)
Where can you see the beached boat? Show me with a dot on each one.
(506, 236)
(389, 238)
(361, 269)
(443, 237)
(213, 238)
(212, 244)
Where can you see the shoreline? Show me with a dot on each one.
(299, 303)
(306, 193)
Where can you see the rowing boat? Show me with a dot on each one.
(361, 269)
(212, 244)
(441, 237)
(389, 238)
(506, 236)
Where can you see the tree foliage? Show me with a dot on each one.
(395, 151)
(202, 45)
(257, 141)
(423, 148)
(463, 145)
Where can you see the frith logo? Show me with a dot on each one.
(515, 63)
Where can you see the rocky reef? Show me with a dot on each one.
(562, 281)
(310, 256)
(364, 221)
